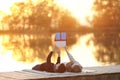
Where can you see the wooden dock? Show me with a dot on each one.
(88, 73)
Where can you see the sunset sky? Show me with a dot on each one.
(5, 4)
(79, 8)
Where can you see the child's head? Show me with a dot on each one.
(60, 68)
(76, 68)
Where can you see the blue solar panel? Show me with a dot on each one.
(57, 36)
(60, 36)
(63, 36)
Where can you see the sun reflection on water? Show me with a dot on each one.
(83, 51)
(7, 63)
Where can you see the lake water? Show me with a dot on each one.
(23, 51)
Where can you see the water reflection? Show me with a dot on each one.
(108, 47)
(83, 51)
(89, 49)
(26, 47)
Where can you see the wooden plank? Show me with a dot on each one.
(21, 75)
(5, 77)
(89, 73)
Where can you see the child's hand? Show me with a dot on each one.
(54, 48)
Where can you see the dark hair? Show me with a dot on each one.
(61, 68)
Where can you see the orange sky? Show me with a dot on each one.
(5, 5)
(80, 9)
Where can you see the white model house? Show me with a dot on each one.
(60, 39)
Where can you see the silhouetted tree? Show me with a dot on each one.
(107, 23)
(107, 14)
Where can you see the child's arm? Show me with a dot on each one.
(50, 55)
(70, 56)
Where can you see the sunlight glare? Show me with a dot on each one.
(7, 60)
(80, 9)
(84, 52)
(6, 4)
(7, 63)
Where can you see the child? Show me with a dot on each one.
(73, 65)
(49, 66)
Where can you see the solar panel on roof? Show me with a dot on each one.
(57, 37)
(63, 36)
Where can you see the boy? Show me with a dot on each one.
(49, 66)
